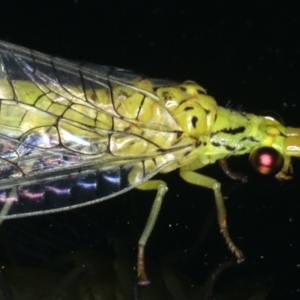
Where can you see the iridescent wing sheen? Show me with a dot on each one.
(70, 133)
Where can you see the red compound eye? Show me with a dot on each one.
(266, 161)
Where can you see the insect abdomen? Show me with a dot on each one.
(68, 191)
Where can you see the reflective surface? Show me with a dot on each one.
(248, 56)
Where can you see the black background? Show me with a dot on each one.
(245, 55)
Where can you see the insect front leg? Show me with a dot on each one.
(233, 175)
(161, 188)
(192, 177)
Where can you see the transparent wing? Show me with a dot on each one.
(71, 134)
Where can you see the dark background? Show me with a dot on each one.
(245, 55)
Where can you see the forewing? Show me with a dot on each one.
(67, 127)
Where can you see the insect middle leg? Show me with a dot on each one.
(190, 176)
(161, 188)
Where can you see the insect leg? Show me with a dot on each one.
(8, 202)
(161, 188)
(205, 181)
(233, 175)
(5, 210)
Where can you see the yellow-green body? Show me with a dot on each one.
(103, 118)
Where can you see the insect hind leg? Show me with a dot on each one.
(8, 202)
(161, 188)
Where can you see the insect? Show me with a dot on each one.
(75, 134)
